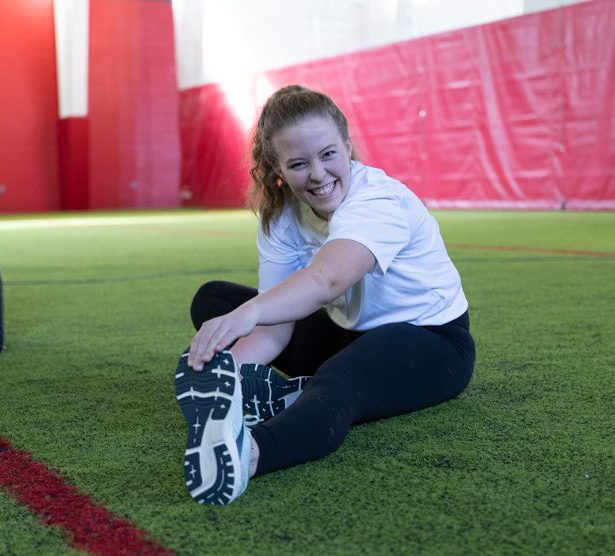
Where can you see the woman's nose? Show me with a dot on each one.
(317, 172)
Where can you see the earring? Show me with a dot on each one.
(279, 182)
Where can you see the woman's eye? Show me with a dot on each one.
(328, 154)
(296, 165)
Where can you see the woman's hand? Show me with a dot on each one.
(217, 334)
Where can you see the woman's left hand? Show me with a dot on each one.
(217, 334)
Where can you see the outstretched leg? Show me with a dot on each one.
(390, 370)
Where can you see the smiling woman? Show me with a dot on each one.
(301, 142)
(314, 160)
(370, 321)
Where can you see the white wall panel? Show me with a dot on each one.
(71, 31)
(219, 38)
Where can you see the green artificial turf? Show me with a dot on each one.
(22, 535)
(96, 314)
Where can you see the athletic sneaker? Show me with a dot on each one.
(217, 462)
(266, 393)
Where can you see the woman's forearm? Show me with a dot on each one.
(338, 266)
(263, 345)
(295, 298)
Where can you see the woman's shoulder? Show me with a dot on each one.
(376, 197)
(369, 181)
(372, 185)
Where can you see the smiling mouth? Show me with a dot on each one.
(324, 190)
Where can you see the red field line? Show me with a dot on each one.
(515, 248)
(88, 527)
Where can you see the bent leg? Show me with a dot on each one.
(315, 338)
(217, 298)
(390, 370)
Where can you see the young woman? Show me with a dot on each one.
(356, 291)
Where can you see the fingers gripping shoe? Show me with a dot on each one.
(266, 393)
(217, 461)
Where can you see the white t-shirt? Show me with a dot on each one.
(413, 280)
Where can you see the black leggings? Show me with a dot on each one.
(357, 376)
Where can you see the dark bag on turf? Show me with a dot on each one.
(1, 318)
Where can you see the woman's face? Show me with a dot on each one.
(314, 161)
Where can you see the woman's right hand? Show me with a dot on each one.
(217, 334)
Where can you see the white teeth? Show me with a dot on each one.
(324, 190)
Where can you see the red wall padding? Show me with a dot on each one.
(73, 140)
(28, 107)
(133, 146)
(214, 158)
(514, 114)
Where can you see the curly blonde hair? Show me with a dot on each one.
(285, 107)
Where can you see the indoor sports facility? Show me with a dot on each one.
(126, 129)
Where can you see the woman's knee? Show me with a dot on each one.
(208, 290)
(201, 302)
(217, 298)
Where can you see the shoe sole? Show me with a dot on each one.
(266, 393)
(211, 464)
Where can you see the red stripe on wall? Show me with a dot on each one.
(89, 527)
(28, 108)
(133, 105)
(73, 140)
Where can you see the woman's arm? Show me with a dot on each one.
(264, 344)
(338, 265)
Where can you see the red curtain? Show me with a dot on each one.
(214, 158)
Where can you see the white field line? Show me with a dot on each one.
(91, 221)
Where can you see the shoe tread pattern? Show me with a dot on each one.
(264, 390)
(201, 396)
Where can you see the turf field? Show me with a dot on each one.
(523, 462)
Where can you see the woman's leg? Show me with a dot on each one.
(217, 298)
(221, 454)
(390, 370)
(314, 340)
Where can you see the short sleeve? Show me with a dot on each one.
(277, 253)
(374, 218)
